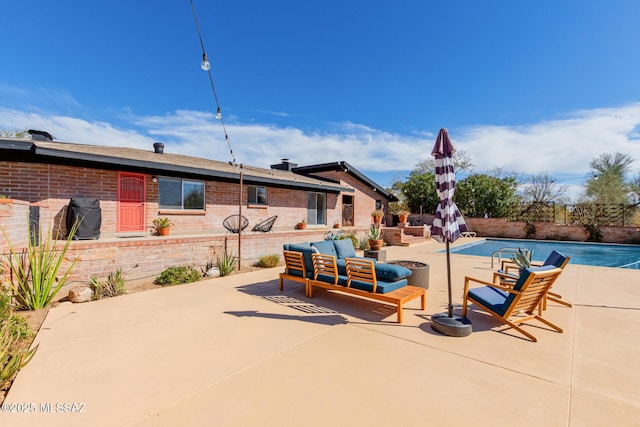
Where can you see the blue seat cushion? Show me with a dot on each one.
(306, 254)
(295, 272)
(344, 248)
(492, 298)
(390, 272)
(342, 280)
(325, 247)
(342, 264)
(381, 287)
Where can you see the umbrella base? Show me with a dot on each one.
(456, 326)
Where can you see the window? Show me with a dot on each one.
(257, 195)
(316, 209)
(180, 194)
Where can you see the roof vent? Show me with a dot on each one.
(158, 147)
(285, 165)
(40, 135)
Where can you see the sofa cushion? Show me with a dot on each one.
(390, 272)
(306, 254)
(325, 247)
(342, 280)
(381, 287)
(344, 248)
(287, 246)
(492, 298)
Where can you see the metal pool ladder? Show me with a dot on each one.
(505, 251)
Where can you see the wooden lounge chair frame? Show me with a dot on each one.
(294, 260)
(363, 271)
(527, 299)
(552, 296)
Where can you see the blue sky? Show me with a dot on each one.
(530, 87)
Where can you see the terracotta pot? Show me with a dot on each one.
(375, 245)
(163, 231)
(376, 220)
(403, 218)
(336, 225)
(302, 225)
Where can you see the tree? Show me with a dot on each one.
(542, 188)
(420, 192)
(608, 185)
(481, 195)
(16, 133)
(461, 163)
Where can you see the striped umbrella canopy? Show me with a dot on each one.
(448, 222)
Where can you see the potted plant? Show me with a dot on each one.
(336, 224)
(302, 224)
(522, 258)
(162, 225)
(375, 237)
(402, 216)
(376, 216)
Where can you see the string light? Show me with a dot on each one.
(206, 66)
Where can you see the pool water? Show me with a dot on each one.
(599, 254)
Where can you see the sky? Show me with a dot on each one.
(526, 87)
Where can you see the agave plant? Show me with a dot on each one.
(522, 258)
(374, 233)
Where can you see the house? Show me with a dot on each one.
(135, 186)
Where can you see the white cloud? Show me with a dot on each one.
(565, 146)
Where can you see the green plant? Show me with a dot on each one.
(16, 323)
(375, 232)
(3, 196)
(162, 222)
(352, 236)
(363, 243)
(35, 280)
(113, 286)
(178, 275)
(268, 261)
(522, 258)
(595, 235)
(530, 230)
(226, 263)
(12, 357)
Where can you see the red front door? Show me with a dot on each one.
(131, 202)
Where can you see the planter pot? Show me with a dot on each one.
(377, 220)
(402, 218)
(163, 231)
(419, 272)
(302, 226)
(336, 225)
(375, 245)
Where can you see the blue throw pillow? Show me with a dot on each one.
(390, 272)
(287, 246)
(325, 247)
(344, 248)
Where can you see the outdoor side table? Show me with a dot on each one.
(380, 256)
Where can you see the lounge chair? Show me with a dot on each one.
(265, 226)
(555, 259)
(503, 302)
(235, 223)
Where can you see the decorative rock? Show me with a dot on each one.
(213, 272)
(80, 293)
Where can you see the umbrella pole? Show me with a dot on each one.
(449, 278)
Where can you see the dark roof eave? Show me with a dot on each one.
(342, 166)
(209, 173)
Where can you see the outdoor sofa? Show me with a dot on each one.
(333, 265)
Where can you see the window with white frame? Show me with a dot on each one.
(180, 194)
(257, 195)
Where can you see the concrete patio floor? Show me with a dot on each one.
(236, 351)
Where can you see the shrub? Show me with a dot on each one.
(363, 243)
(12, 357)
(268, 261)
(595, 235)
(178, 275)
(226, 263)
(113, 286)
(15, 323)
(353, 237)
(35, 280)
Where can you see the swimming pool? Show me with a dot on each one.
(600, 254)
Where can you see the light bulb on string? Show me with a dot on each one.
(205, 65)
(219, 114)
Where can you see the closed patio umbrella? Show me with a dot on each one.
(447, 226)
